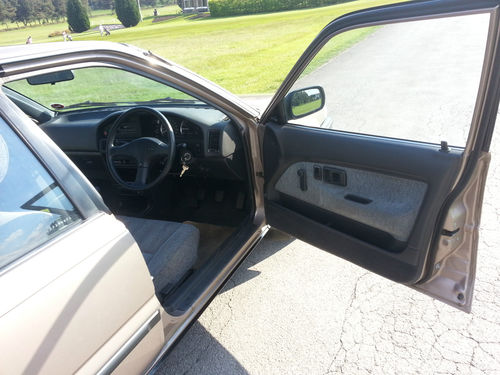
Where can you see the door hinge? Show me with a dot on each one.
(260, 174)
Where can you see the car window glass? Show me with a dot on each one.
(95, 87)
(413, 80)
(33, 208)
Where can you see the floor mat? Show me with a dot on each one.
(211, 237)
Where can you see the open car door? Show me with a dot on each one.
(376, 146)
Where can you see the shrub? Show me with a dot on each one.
(127, 12)
(224, 8)
(58, 33)
(78, 19)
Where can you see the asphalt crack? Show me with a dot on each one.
(353, 298)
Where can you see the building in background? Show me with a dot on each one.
(189, 6)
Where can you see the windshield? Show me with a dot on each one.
(97, 87)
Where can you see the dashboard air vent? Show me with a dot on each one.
(214, 141)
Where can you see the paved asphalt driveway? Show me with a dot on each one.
(293, 308)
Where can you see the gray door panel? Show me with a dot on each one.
(381, 201)
(402, 179)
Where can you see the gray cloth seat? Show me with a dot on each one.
(170, 249)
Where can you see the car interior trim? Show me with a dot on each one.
(284, 146)
(388, 203)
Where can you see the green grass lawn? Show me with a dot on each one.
(302, 109)
(40, 33)
(247, 54)
(97, 84)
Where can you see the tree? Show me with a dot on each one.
(43, 10)
(127, 12)
(59, 9)
(78, 19)
(102, 4)
(7, 11)
(24, 12)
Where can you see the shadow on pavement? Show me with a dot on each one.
(198, 352)
(272, 243)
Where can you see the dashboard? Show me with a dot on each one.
(211, 137)
(147, 125)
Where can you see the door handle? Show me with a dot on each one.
(302, 179)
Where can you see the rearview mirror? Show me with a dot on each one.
(52, 78)
(303, 102)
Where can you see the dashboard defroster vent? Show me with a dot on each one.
(214, 141)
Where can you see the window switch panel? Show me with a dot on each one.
(334, 176)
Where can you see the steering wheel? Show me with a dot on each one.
(144, 150)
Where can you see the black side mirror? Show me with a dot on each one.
(303, 102)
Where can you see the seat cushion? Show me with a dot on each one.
(170, 249)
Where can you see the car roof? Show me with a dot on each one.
(23, 52)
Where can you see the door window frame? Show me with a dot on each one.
(391, 14)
